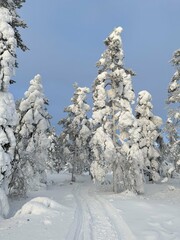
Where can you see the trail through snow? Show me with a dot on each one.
(84, 211)
(95, 218)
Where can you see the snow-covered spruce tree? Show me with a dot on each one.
(112, 116)
(147, 132)
(172, 127)
(32, 140)
(102, 146)
(10, 39)
(76, 132)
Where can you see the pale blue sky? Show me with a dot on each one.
(65, 38)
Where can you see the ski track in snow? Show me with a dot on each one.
(76, 226)
(95, 218)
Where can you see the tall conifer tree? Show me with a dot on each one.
(10, 39)
(33, 141)
(76, 132)
(112, 114)
(172, 127)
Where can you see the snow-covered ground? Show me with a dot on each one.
(86, 211)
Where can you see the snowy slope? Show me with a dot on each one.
(86, 211)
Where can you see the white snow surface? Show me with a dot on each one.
(83, 210)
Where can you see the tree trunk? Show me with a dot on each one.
(118, 177)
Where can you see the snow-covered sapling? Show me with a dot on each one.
(148, 131)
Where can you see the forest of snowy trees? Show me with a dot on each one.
(118, 134)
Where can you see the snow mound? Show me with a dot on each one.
(171, 188)
(38, 206)
(127, 194)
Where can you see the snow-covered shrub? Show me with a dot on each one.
(166, 169)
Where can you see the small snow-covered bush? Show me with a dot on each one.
(167, 169)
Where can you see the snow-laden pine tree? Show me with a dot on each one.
(147, 132)
(173, 122)
(10, 39)
(32, 134)
(76, 131)
(9, 9)
(112, 115)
